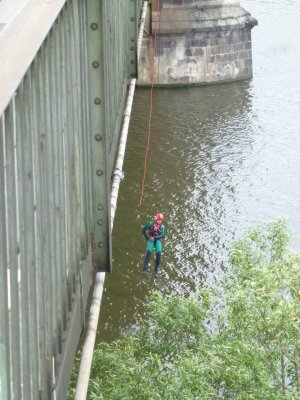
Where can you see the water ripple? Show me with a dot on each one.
(228, 159)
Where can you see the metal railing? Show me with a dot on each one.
(63, 87)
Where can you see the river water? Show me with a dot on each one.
(222, 158)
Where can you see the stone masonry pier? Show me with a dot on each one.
(197, 42)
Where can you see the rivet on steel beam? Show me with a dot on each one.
(100, 221)
(100, 244)
(132, 62)
(132, 48)
(132, 18)
(97, 100)
(99, 172)
(98, 137)
(132, 39)
(100, 207)
(95, 64)
(94, 26)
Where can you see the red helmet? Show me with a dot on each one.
(159, 217)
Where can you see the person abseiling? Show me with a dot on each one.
(154, 232)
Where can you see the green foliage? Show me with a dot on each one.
(262, 298)
(249, 349)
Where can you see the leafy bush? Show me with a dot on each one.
(252, 350)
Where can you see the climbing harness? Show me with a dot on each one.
(155, 230)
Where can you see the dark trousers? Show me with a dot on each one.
(157, 261)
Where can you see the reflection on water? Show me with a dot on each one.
(222, 158)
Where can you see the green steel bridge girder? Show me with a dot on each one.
(112, 57)
(100, 176)
(63, 91)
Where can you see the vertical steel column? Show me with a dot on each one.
(4, 331)
(100, 178)
(12, 223)
(24, 292)
(38, 227)
(26, 151)
(86, 120)
(47, 204)
(3, 373)
(57, 181)
(133, 38)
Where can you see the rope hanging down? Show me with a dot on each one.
(150, 117)
(158, 107)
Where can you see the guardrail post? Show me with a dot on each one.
(100, 179)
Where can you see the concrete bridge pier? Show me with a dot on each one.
(197, 42)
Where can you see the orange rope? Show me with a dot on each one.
(149, 123)
(150, 116)
(156, 131)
